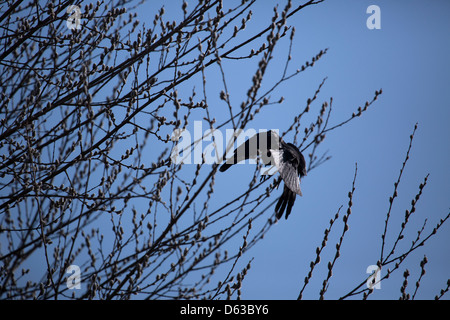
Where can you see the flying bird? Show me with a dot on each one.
(286, 157)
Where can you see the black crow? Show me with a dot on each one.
(274, 151)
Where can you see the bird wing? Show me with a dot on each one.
(258, 144)
(287, 170)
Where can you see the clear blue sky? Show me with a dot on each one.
(408, 59)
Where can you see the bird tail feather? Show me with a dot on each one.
(286, 202)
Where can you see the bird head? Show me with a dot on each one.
(303, 172)
(302, 166)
